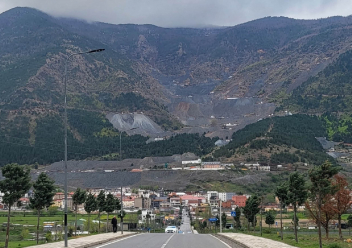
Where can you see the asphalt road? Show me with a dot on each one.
(186, 225)
(184, 239)
(165, 240)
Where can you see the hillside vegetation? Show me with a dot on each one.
(329, 91)
(276, 140)
(144, 69)
(91, 136)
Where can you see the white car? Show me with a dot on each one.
(171, 229)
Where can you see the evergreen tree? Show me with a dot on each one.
(90, 206)
(270, 219)
(296, 195)
(44, 191)
(101, 201)
(223, 220)
(79, 197)
(14, 186)
(237, 218)
(320, 177)
(251, 209)
(110, 206)
(281, 193)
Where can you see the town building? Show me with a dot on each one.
(142, 203)
(240, 200)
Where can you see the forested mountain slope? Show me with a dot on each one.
(178, 77)
(278, 140)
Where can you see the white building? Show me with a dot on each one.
(264, 168)
(222, 196)
(225, 196)
(144, 215)
(1, 196)
(212, 194)
(198, 161)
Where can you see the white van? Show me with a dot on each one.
(171, 229)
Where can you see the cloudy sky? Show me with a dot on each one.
(184, 13)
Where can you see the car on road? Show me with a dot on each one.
(171, 229)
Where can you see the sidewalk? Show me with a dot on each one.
(249, 241)
(88, 241)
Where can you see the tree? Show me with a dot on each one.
(281, 193)
(78, 198)
(110, 206)
(251, 209)
(223, 220)
(14, 186)
(270, 219)
(101, 201)
(296, 195)
(342, 198)
(237, 218)
(44, 191)
(320, 177)
(327, 212)
(90, 206)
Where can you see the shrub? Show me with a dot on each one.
(70, 231)
(24, 234)
(48, 237)
(335, 246)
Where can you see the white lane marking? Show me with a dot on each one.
(117, 241)
(221, 241)
(167, 241)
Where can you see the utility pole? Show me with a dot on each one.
(121, 212)
(261, 223)
(220, 218)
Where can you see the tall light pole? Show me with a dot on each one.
(220, 217)
(65, 106)
(121, 213)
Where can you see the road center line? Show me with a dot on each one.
(118, 240)
(167, 241)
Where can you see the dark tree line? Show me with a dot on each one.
(90, 135)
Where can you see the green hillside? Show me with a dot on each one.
(90, 136)
(329, 91)
(288, 139)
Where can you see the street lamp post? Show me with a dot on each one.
(121, 213)
(220, 217)
(65, 142)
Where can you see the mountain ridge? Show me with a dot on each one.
(204, 80)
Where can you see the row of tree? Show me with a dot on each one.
(327, 196)
(102, 203)
(17, 182)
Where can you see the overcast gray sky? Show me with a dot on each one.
(184, 13)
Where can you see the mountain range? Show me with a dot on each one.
(182, 80)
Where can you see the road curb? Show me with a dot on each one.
(105, 241)
(230, 240)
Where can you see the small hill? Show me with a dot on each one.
(277, 140)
